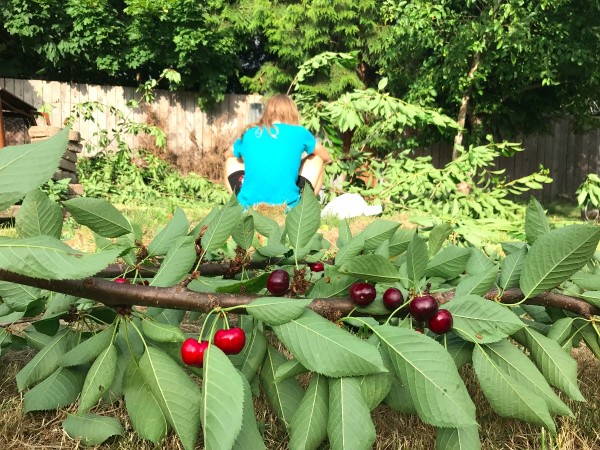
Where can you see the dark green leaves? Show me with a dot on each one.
(557, 255)
(303, 221)
(277, 310)
(24, 168)
(325, 348)
(99, 215)
(38, 215)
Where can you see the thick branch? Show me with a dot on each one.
(464, 106)
(114, 294)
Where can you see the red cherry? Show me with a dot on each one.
(192, 352)
(362, 294)
(121, 280)
(230, 341)
(317, 267)
(392, 298)
(441, 322)
(423, 308)
(278, 282)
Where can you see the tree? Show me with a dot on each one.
(538, 297)
(77, 42)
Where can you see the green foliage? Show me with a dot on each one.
(355, 361)
(117, 178)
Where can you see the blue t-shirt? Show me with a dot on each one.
(272, 162)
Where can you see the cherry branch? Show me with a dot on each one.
(178, 297)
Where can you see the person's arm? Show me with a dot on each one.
(322, 153)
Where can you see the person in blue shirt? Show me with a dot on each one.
(266, 164)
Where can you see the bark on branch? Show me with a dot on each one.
(177, 297)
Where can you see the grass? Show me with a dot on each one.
(394, 430)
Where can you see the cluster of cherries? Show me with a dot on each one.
(230, 341)
(423, 308)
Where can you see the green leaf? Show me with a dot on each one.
(176, 228)
(303, 220)
(323, 347)
(221, 227)
(162, 332)
(277, 310)
(99, 215)
(209, 284)
(536, 222)
(178, 396)
(24, 168)
(560, 331)
(35, 339)
(375, 388)
(177, 264)
(372, 268)
(334, 284)
(349, 424)
(506, 395)
(249, 361)
(44, 362)
(344, 233)
(520, 368)
(38, 215)
(252, 285)
(263, 224)
(222, 400)
(57, 391)
(243, 233)
(350, 250)
(400, 241)
(18, 297)
(417, 258)
(143, 409)
(88, 349)
(92, 429)
(449, 263)
(459, 349)
(482, 321)
(399, 398)
(557, 255)
(437, 237)
(249, 437)
(99, 378)
(558, 366)
(426, 369)
(477, 283)
(592, 297)
(586, 280)
(308, 428)
(377, 232)
(284, 396)
(47, 257)
(290, 369)
(511, 268)
(457, 439)
(478, 262)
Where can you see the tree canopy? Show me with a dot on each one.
(494, 66)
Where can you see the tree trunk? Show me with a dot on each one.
(464, 106)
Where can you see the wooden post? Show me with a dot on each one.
(2, 140)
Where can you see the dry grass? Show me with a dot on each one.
(394, 430)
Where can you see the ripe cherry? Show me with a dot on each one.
(121, 280)
(231, 341)
(192, 352)
(317, 267)
(423, 308)
(392, 298)
(278, 282)
(362, 294)
(441, 322)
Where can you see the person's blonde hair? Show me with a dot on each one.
(279, 108)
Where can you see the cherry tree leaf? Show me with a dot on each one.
(92, 429)
(99, 378)
(60, 389)
(101, 216)
(303, 220)
(222, 400)
(39, 215)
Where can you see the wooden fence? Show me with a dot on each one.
(194, 134)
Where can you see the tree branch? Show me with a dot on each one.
(178, 297)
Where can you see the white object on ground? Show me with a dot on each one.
(347, 206)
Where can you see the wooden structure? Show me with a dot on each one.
(194, 134)
(12, 106)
